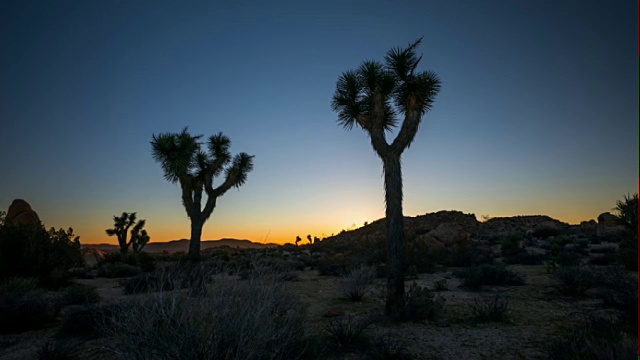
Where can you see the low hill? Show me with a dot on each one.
(183, 245)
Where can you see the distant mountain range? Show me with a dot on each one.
(183, 245)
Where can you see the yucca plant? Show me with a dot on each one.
(373, 97)
(185, 162)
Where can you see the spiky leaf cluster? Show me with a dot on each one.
(139, 237)
(375, 94)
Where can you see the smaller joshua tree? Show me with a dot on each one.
(298, 239)
(139, 237)
(309, 239)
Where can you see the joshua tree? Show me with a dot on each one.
(373, 97)
(298, 239)
(309, 239)
(184, 162)
(139, 237)
(316, 239)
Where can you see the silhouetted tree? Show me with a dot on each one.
(627, 215)
(184, 162)
(309, 239)
(139, 237)
(298, 239)
(373, 97)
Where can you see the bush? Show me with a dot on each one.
(143, 260)
(357, 282)
(472, 255)
(598, 338)
(89, 321)
(387, 347)
(117, 270)
(545, 232)
(511, 245)
(492, 275)
(27, 311)
(78, 294)
(573, 281)
(18, 285)
(347, 332)
(58, 350)
(490, 308)
(31, 251)
(619, 290)
(524, 258)
(422, 304)
(440, 285)
(602, 260)
(240, 320)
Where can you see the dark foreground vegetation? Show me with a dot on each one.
(322, 300)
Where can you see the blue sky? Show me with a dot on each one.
(538, 112)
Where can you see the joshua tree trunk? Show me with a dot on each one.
(395, 236)
(194, 242)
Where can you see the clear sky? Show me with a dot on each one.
(538, 112)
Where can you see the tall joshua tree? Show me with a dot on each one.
(183, 161)
(374, 97)
(139, 237)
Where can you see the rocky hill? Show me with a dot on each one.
(183, 245)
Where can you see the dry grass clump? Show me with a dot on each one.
(357, 282)
(253, 319)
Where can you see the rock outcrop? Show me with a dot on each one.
(20, 212)
(590, 226)
(608, 225)
(505, 226)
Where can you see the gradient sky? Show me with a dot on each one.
(538, 112)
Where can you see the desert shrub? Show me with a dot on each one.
(148, 282)
(524, 258)
(253, 319)
(604, 250)
(31, 251)
(619, 290)
(490, 308)
(194, 277)
(25, 311)
(510, 245)
(347, 332)
(545, 232)
(472, 255)
(78, 294)
(60, 349)
(573, 281)
(328, 268)
(89, 321)
(117, 270)
(602, 260)
(627, 216)
(440, 285)
(18, 285)
(388, 347)
(597, 338)
(422, 304)
(357, 282)
(142, 260)
(492, 275)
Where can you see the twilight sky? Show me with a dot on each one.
(538, 112)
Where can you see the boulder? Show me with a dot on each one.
(608, 225)
(589, 226)
(449, 234)
(20, 212)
